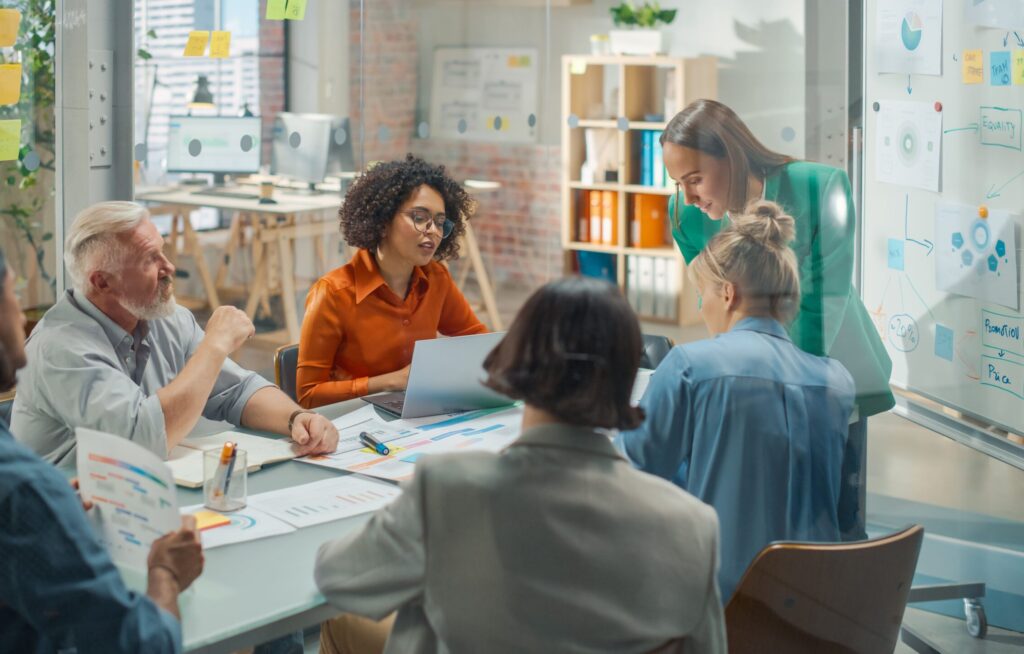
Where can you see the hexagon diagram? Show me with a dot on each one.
(967, 257)
(1000, 249)
(993, 263)
(958, 240)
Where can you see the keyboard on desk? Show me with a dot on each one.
(227, 193)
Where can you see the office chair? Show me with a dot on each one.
(286, 360)
(656, 348)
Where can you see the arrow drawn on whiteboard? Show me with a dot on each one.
(1002, 354)
(1006, 39)
(1020, 41)
(906, 229)
(994, 192)
(910, 89)
(973, 127)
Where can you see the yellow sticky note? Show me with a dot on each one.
(196, 46)
(220, 45)
(210, 519)
(1018, 67)
(577, 67)
(10, 19)
(296, 10)
(275, 9)
(10, 139)
(974, 67)
(10, 83)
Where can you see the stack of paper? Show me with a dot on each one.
(186, 460)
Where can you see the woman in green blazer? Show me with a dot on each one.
(719, 166)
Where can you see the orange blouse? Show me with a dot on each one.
(356, 327)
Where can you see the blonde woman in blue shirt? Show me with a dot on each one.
(746, 421)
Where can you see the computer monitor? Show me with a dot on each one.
(309, 147)
(214, 144)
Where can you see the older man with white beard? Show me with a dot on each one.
(117, 353)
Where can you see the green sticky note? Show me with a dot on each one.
(10, 139)
(296, 10)
(275, 9)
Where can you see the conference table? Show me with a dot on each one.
(255, 591)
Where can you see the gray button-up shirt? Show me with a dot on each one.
(84, 370)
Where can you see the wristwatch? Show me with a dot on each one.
(293, 416)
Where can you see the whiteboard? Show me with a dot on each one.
(943, 284)
(484, 94)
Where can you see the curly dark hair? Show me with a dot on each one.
(372, 202)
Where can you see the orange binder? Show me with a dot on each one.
(610, 217)
(583, 217)
(648, 221)
(595, 216)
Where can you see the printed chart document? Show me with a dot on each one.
(236, 527)
(640, 384)
(133, 493)
(325, 500)
(909, 36)
(909, 144)
(186, 460)
(486, 429)
(976, 256)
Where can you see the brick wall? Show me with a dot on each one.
(518, 226)
(272, 75)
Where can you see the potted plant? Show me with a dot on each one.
(641, 36)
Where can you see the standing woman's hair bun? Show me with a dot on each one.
(766, 222)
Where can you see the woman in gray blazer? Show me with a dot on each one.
(555, 544)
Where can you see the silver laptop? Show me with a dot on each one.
(446, 376)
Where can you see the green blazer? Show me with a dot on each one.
(832, 319)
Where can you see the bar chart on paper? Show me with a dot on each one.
(324, 501)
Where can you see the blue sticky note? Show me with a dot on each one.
(999, 68)
(944, 342)
(896, 254)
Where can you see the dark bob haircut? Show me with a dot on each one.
(376, 196)
(8, 372)
(572, 351)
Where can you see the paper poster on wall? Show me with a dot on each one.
(909, 37)
(484, 94)
(976, 256)
(1001, 14)
(908, 143)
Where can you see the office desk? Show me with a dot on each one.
(294, 216)
(252, 592)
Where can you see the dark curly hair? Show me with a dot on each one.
(372, 202)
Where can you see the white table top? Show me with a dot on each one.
(252, 592)
(287, 203)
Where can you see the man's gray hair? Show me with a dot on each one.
(92, 242)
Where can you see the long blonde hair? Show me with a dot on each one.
(753, 254)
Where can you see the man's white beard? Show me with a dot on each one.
(162, 307)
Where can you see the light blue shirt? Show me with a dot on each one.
(86, 371)
(755, 427)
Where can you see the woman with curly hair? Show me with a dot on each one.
(363, 318)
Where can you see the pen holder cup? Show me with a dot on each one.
(224, 490)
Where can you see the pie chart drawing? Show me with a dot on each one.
(911, 31)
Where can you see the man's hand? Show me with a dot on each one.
(86, 504)
(314, 434)
(228, 328)
(180, 553)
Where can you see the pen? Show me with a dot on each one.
(369, 441)
(231, 467)
(222, 466)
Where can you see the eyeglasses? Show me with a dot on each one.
(423, 221)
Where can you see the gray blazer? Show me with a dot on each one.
(555, 545)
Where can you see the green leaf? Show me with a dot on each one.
(667, 15)
(47, 237)
(151, 34)
(143, 54)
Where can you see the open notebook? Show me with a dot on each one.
(186, 460)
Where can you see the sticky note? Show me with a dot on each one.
(296, 10)
(210, 519)
(896, 254)
(10, 19)
(1018, 67)
(196, 45)
(999, 68)
(220, 45)
(10, 139)
(10, 83)
(943, 342)
(577, 67)
(974, 67)
(275, 9)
